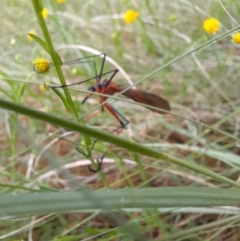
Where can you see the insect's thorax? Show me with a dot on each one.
(104, 83)
(104, 87)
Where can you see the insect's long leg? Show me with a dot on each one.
(94, 66)
(80, 82)
(98, 76)
(90, 151)
(79, 60)
(114, 73)
(99, 161)
(76, 61)
(118, 116)
(82, 62)
(92, 147)
(102, 67)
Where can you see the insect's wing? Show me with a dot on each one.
(148, 99)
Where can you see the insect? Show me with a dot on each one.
(107, 87)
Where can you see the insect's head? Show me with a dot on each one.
(90, 89)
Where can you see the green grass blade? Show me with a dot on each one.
(135, 147)
(49, 202)
(40, 41)
(37, 4)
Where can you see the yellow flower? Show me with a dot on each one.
(43, 87)
(61, 1)
(130, 16)
(29, 37)
(172, 17)
(45, 12)
(41, 65)
(211, 25)
(236, 38)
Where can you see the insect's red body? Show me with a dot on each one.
(108, 88)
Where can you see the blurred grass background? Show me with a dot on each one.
(202, 88)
